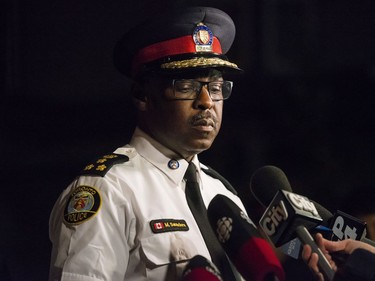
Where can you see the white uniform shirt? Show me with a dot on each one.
(139, 231)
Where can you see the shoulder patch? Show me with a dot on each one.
(83, 204)
(211, 172)
(101, 166)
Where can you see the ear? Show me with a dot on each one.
(140, 104)
(139, 97)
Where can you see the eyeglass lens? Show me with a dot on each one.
(190, 89)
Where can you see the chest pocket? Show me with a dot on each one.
(166, 254)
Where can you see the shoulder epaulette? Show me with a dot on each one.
(102, 165)
(211, 172)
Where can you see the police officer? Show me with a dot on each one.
(126, 216)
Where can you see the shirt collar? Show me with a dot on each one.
(160, 156)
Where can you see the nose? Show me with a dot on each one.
(204, 101)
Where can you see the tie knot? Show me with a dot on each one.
(191, 173)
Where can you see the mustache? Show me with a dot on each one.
(204, 118)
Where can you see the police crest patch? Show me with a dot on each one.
(83, 204)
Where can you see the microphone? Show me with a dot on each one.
(285, 213)
(345, 226)
(275, 179)
(335, 227)
(288, 215)
(251, 254)
(199, 268)
(271, 177)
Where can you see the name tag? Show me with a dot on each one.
(166, 225)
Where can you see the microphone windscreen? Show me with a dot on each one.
(199, 268)
(266, 181)
(231, 225)
(257, 257)
(251, 254)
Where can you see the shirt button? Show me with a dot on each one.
(182, 253)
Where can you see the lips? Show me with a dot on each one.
(204, 121)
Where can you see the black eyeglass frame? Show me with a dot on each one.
(225, 85)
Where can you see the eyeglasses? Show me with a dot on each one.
(190, 89)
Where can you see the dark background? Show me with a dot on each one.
(305, 103)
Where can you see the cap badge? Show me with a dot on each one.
(203, 38)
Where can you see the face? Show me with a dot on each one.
(187, 127)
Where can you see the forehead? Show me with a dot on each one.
(196, 74)
(208, 73)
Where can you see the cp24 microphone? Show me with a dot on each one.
(345, 226)
(289, 215)
(251, 254)
(199, 268)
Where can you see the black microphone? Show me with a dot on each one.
(251, 254)
(288, 215)
(345, 226)
(273, 178)
(199, 268)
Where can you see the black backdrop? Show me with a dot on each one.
(305, 103)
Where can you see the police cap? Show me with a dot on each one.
(184, 39)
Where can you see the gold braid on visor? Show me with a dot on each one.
(198, 62)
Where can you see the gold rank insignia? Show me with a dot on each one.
(83, 204)
(101, 166)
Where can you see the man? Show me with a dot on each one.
(127, 217)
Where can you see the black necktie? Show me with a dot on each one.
(197, 207)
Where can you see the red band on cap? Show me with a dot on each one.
(177, 46)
